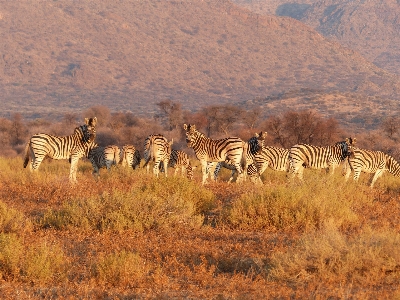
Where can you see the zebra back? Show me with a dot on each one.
(157, 149)
(319, 157)
(130, 156)
(370, 161)
(307, 156)
(273, 157)
(103, 157)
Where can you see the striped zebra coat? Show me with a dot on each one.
(368, 161)
(231, 149)
(130, 156)
(179, 160)
(307, 156)
(253, 146)
(71, 147)
(103, 157)
(273, 157)
(157, 149)
(252, 171)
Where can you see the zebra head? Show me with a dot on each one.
(351, 144)
(89, 130)
(257, 142)
(191, 133)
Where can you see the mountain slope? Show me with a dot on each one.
(60, 56)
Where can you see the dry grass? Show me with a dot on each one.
(129, 235)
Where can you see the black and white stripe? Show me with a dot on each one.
(369, 161)
(180, 161)
(231, 149)
(103, 157)
(253, 146)
(307, 156)
(273, 157)
(130, 156)
(157, 149)
(70, 147)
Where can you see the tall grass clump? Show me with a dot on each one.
(294, 206)
(12, 220)
(162, 203)
(44, 263)
(11, 252)
(120, 268)
(327, 255)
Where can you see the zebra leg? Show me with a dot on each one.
(216, 170)
(35, 163)
(176, 170)
(165, 162)
(378, 174)
(205, 170)
(73, 169)
(156, 168)
(210, 165)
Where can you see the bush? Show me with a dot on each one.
(329, 255)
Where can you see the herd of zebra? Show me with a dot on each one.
(247, 159)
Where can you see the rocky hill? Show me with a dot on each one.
(63, 56)
(370, 27)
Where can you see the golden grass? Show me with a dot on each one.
(130, 235)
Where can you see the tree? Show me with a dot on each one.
(390, 126)
(17, 128)
(171, 115)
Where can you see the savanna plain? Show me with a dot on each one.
(129, 235)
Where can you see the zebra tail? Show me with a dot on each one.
(26, 161)
(244, 156)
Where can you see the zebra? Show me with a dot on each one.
(307, 156)
(254, 145)
(370, 162)
(130, 156)
(230, 149)
(101, 157)
(71, 147)
(180, 160)
(275, 158)
(157, 149)
(252, 171)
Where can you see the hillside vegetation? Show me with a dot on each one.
(59, 57)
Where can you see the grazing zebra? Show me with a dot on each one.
(70, 147)
(157, 149)
(230, 149)
(130, 156)
(103, 157)
(252, 171)
(306, 156)
(180, 160)
(370, 162)
(254, 145)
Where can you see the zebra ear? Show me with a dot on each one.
(87, 121)
(256, 135)
(264, 134)
(185, 127)
(94, 121)
(171, 142)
